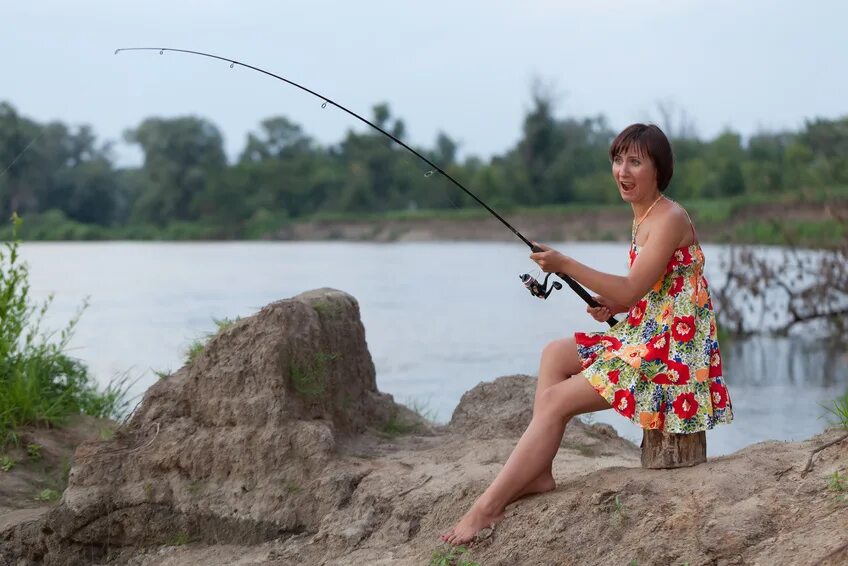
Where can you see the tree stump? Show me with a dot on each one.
(665, 450)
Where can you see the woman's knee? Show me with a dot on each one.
(562, 355)
(550, 404)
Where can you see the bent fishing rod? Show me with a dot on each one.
(536, 288)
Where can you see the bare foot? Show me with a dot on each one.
(542, 483)
(471, 523)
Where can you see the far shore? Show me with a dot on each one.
(808, 224)
(815, 220)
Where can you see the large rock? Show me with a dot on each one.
(503, 408)
(224, 449)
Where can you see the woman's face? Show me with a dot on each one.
(635, 175)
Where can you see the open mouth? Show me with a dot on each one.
(627, 187)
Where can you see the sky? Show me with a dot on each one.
(461, 67)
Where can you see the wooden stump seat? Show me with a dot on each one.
(666, 450)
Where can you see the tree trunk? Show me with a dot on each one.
(665, 450)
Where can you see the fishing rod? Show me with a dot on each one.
(536, 288)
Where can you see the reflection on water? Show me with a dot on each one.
(439, 318)
(779, 387)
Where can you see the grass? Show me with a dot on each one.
(6, 463)
(395, 427)
(839, 483)
(197, 346)
(180, 539)
(619, 508)
(840, 410)
(421, 408)
(308, 377)
(291, 487)
(34, 451)
(327, 309)
(39, 383)
(451, 556)
(47, 495)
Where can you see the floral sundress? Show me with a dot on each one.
(661, 367)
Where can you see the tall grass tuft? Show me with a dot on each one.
(840, 410)
(39, 383)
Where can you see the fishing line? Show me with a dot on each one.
(15, 160)
(536, 288)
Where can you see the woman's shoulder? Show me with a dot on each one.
(673, 218)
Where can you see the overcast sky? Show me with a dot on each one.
(461, 67)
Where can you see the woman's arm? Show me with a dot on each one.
(649, 266)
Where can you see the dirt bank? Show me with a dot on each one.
(275, 447)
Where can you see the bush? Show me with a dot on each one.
(39, 383)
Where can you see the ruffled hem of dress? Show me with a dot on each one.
(608, 393)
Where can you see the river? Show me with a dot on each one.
(439, 318)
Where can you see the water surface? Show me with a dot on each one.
(439, 318)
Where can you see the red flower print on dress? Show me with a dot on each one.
(611, 342)
(676, 374)
(613, 375)
(680, 257)
(589, 340)
(624, 403)
(676, 286)
(637, 312)
(685, 406)
(718, 394)
(683, 328)
(586, 340)
(715, 364)
(658, 347)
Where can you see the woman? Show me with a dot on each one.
(660, 366)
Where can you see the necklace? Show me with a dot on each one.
(647, 212)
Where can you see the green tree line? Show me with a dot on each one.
(67, 179)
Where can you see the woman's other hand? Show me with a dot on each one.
(600, 313)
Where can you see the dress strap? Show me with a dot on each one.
(691, 224)
(636, 223)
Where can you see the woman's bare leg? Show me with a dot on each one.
(532, 455)
(559, 362)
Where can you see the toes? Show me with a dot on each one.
(458, 539)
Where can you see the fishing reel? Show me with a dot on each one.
(540, 290)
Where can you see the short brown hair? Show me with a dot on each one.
(647, 138)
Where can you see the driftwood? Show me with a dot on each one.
(665, 450)
(809, 465)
